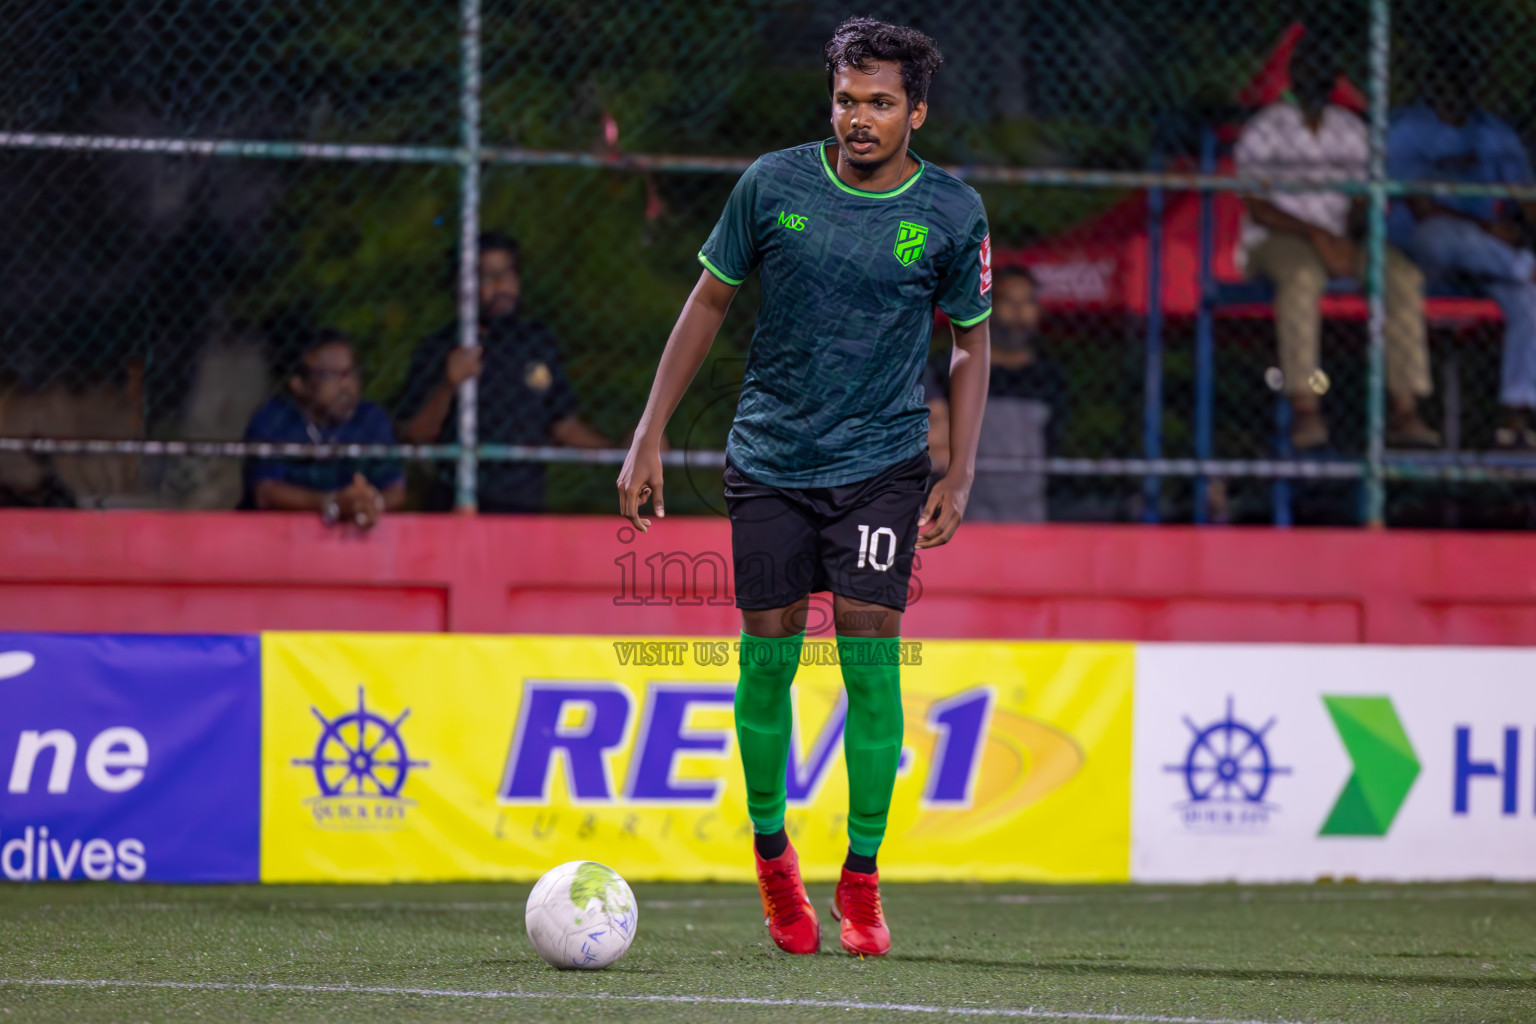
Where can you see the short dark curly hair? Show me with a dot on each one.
(860, 42)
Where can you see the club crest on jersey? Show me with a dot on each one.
(910, 239)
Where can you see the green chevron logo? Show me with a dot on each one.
(910, 239)
(1385, 766)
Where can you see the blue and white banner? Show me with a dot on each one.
(130, 758)
(1290, 763)
(301, 757)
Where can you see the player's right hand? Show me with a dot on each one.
(640, 481)
(943, 511)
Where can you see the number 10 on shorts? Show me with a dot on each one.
(869, 547)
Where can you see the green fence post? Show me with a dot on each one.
(469, 249)
(1376, 263)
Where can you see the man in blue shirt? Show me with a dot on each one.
(1447, 137)
(324, 406)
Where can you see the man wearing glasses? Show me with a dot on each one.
(324, 406)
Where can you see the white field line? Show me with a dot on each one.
(1252, 895)
(1244, 895)
(508, 906)
(1030, 1012)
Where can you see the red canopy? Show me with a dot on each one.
(1101, 266)
(1274, 78)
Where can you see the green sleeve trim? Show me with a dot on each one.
(722, 275)
(973, 321)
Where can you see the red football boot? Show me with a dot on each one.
(857, 905)
(787, 910)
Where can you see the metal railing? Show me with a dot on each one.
(472, 157)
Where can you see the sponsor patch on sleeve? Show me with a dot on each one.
(986, 264)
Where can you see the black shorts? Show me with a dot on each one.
(855, 540)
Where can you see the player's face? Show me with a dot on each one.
(870, 114)
(500, 284)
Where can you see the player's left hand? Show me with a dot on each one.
(943, 511)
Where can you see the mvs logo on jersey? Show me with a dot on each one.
(129, 758)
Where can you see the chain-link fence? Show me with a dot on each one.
(190, 190)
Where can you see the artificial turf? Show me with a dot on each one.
(1113, 953)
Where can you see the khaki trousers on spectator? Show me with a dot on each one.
(1300, 279)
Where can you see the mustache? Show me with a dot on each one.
(861, 135)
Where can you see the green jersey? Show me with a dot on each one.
(832, 393)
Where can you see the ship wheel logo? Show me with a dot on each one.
(360, 754)
(1228, 761)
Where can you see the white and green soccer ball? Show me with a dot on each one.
(582, 916)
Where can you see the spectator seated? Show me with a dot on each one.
(323, 405)
(1227, 294)
(1451, 306)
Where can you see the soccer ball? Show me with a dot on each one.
(582, 916)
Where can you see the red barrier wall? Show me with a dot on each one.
(175, 572)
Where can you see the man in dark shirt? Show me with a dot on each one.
(1026, 407)
(324, 406)
(525, 396)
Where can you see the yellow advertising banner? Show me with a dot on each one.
(413, 758)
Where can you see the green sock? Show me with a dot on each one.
(763, 723)
(872, 735)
